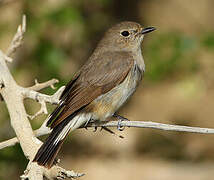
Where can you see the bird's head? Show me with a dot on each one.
(126, 36)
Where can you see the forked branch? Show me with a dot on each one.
(13, 96)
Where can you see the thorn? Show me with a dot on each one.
(19, 29)
(53, 87)
(23, 23)
(36, 81)
(23, 177)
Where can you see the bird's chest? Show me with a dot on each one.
(107, 104)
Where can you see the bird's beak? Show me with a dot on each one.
(148, 30)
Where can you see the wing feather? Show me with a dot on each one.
(97, 77)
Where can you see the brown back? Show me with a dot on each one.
(98, 76)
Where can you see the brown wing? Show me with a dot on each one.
(95, 78)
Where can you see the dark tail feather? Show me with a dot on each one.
(50, 148)
(55, 113)
(48, 151)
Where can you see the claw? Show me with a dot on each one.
(119, 126)
(110, 131)
(120, 119)
(95, 129)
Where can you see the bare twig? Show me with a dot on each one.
(38, 86)
(42, 110)
(41, 98)
(154, 125)
(43, 130)
(26, 93)
(17, 39)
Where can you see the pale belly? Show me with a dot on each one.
(107, 104)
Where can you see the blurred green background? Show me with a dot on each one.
(178, 86)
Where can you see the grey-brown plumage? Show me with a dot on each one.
(99, 88)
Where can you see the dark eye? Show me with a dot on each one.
(125, 33)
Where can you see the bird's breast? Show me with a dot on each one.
(139, 59)
(107, 104)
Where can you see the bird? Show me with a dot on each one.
(100, 87)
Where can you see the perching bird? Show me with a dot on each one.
(99, 88)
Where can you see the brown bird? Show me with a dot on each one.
(99, 88)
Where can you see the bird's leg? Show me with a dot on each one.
(90, 120)
(95, 129)
(120, 119)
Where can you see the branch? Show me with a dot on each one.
(42, 98)
(17, 39)
(43, 130)
(154, 125)
(43, 110)
(27, 93)
(35, 172)
(38, 86)
(13, 96)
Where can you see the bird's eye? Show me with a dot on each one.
(125, 33)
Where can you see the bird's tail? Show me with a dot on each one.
(50, 148)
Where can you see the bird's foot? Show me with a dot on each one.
(110, 131)
(120, 119)
(119, 126)
(87, 122)
(95, 129)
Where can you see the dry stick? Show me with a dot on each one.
(154, 125)
(38, 86)
(137, 124)
(18, 38)
(42, 98)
